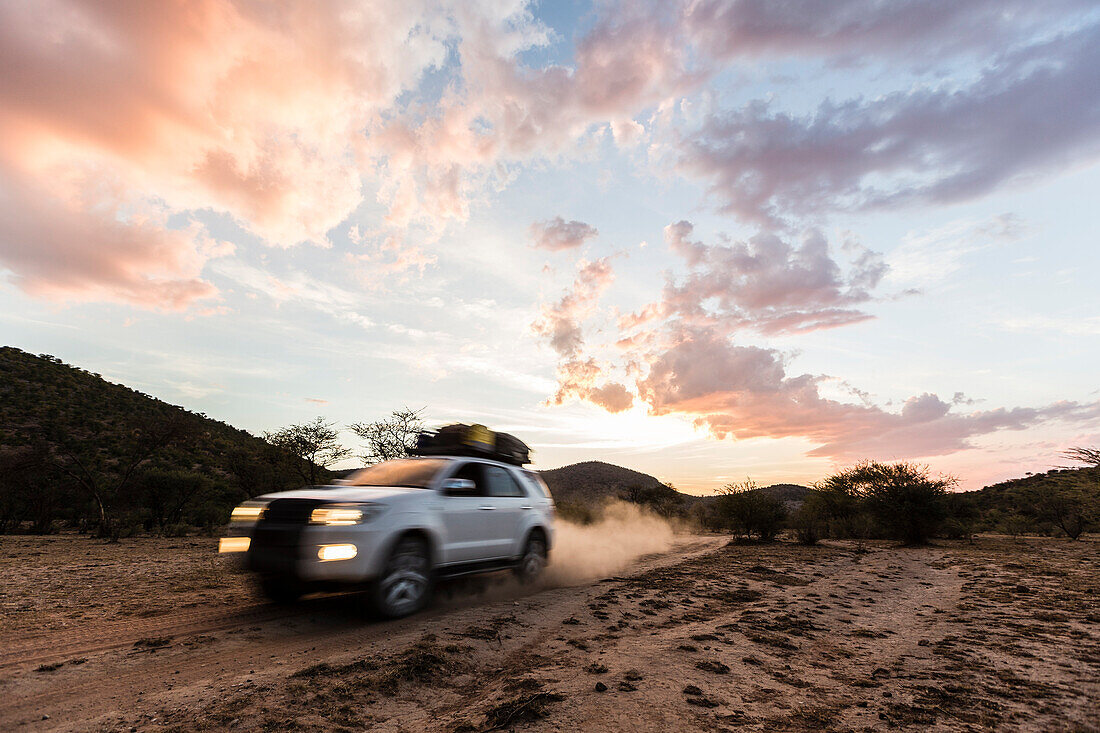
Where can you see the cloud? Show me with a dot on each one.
(501, 111)
(680, 356)
(560, 322)
(928, 256)
(557, 234)
(764, 284)
(855, 29)
(580, 376)
(744, 392)
(1033, 110)
(583, 379)
(119, 115)
(58, 249)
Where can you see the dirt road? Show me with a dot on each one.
(703, 636)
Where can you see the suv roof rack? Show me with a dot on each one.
(475, 441)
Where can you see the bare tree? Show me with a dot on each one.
(392, 437)
(1088, 456)
(309, 447)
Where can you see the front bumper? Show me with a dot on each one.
(292, 552)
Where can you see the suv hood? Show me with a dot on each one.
(345, 493)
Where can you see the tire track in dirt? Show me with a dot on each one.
(118, 677)
(44, 648)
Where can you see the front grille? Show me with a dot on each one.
(289, 511)
(276, 537)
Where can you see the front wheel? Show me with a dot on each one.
(533, 559)
(405, 585)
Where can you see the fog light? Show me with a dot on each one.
(337, 552)
(234, 544)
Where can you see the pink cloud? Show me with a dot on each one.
(679, 356)
(557, 234)
(505, 111)
(117, 115)
(583, 379)
(744, 392)
(560, 322)
(579, 376)
(58, 249)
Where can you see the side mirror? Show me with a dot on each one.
(459, 487)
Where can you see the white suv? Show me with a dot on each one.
(394, 528)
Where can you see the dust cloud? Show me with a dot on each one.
(623, 534)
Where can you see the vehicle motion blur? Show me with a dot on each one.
(463, 505)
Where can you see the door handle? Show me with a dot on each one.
(487, 508)
(525, 507)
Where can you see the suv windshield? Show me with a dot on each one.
(414, 473)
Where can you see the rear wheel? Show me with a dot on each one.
(405, 585)
(533, 559)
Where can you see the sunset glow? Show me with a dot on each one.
(704, 240)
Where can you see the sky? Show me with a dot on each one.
(707, 240)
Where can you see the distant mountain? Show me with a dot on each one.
(593, 481)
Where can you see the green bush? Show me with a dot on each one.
(809, 521)
(902, 498)
(749, 511)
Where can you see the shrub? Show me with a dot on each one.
(809, 522)
(905, 501)
(176, 530)
(748, 511)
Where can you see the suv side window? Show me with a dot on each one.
(476, 473)
(535, 482)
(501, 482)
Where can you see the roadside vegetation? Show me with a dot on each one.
(79, 452)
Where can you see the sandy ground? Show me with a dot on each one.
(157, 635)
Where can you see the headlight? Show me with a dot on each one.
(250, 511)
(327, 553)
(343, 515)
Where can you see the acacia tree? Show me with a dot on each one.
(1068, 503)
(903, 498)
(1071, 500)
(309, 447)
(106, 473)
(391, 437)
(747, 510)
(1089, 456)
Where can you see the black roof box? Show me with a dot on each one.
(474, 441)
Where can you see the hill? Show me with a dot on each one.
(1041, 503)
(592, 481)
(78, 448)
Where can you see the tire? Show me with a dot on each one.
(533, 559)
(405, 585)
(280, 591)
